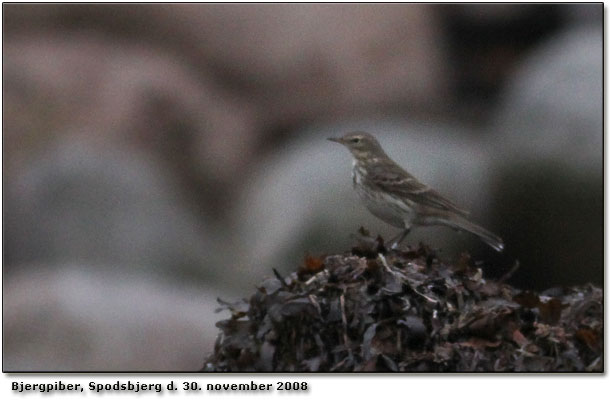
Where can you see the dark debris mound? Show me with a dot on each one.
(379, 310)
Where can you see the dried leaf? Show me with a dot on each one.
(394, 310)
(550, 311)
(588, 337)
(313, 264)
(520, 339)
(527, 299)
(480, 344)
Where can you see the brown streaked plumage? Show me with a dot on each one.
(396, 197)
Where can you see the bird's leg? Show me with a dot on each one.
(401, 236)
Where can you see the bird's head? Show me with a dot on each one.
(362, 145)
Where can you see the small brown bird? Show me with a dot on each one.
(396, 197)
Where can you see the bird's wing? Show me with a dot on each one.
(393, 179)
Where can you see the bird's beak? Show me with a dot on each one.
(336, 140)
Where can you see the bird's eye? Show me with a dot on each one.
(355, 140)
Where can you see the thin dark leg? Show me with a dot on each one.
(396, 241)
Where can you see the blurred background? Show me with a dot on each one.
(156, 157)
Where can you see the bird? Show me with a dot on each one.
(397, 198)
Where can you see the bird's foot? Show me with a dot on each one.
(398, 239)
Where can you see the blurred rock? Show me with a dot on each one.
(66, 319)
(292, 62)
(82, 203)
(552, 107)
(584, 14)
(484, 44)
(124, 93)
(302, 197)
(549, 135)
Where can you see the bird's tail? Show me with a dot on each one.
(459, 222)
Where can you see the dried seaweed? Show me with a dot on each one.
(375, 309)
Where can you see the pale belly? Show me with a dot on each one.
(384, 206)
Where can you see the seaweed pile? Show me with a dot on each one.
(375, 309)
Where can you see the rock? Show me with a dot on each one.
(130, 94)
(552, 108)
(82, 203)
(291, 62)
(549, 138)
(68, 318)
